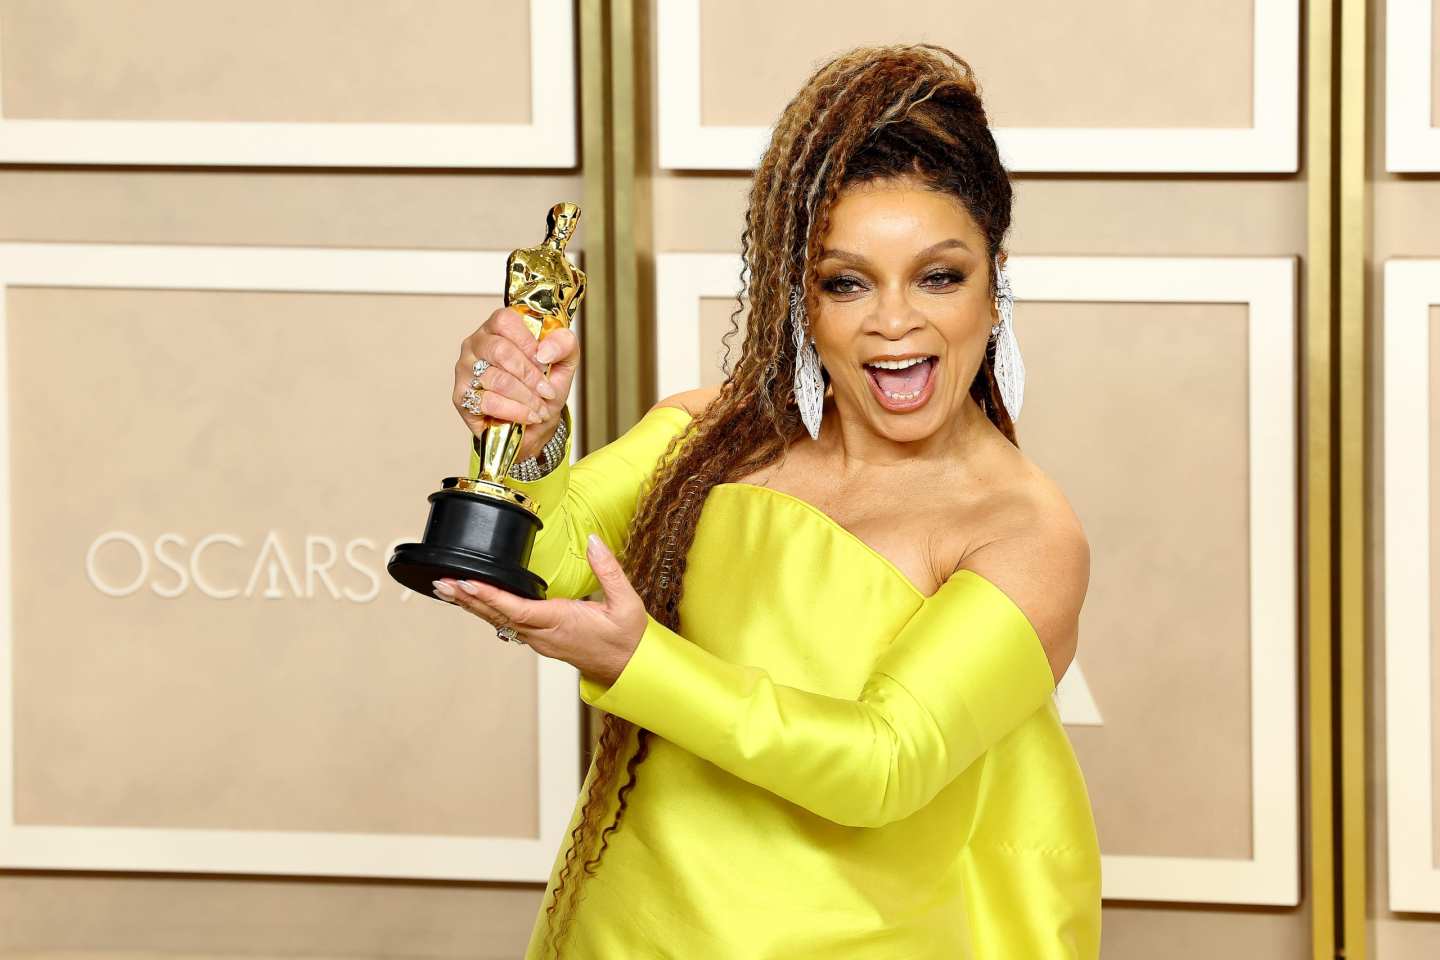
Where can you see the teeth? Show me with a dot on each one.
(897, 364)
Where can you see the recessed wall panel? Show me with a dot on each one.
(1042, 63)
(266, 60)
(204, 484)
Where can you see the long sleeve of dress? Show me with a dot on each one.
(596, 494)
(966, 669)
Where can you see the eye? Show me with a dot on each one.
(842, 285)
(942, 278)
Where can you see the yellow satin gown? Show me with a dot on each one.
(840, 766)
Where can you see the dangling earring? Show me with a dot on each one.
(809, 387)
(1009, 367)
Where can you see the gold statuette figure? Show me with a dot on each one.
(546, 290)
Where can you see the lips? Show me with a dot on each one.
(904, 389)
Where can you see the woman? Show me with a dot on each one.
(845, 597)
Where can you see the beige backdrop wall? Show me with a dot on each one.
(324, 706)
(194, 712)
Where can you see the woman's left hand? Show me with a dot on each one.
(596, 637)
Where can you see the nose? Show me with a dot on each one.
(894, 315)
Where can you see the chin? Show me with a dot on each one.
(907, 431)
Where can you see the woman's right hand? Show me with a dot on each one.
(513, 387)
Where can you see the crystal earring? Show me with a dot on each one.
(809, 387)
(1009, 367)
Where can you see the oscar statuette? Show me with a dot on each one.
(480, 529)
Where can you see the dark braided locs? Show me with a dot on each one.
(873, 113)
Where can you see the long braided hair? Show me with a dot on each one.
(872, 113)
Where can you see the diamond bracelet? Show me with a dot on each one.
(540, 465)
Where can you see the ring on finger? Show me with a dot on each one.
(480, 366)
(475, 383)
(504, 627)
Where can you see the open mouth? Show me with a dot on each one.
(902, 384)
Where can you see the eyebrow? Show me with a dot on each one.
(931, 250)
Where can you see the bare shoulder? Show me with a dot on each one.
(1039, 557)
(693, 401)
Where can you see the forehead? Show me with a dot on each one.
(899, 211)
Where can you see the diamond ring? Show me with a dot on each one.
(470, 399)
(508, 634)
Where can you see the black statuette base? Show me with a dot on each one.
(470, 536)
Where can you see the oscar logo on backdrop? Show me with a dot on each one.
(480, 529)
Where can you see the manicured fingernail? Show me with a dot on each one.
(545, 352)
(545, 389)
(595, 542)
(470, 588)
(443, 589)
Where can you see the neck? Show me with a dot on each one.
(856, 445)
